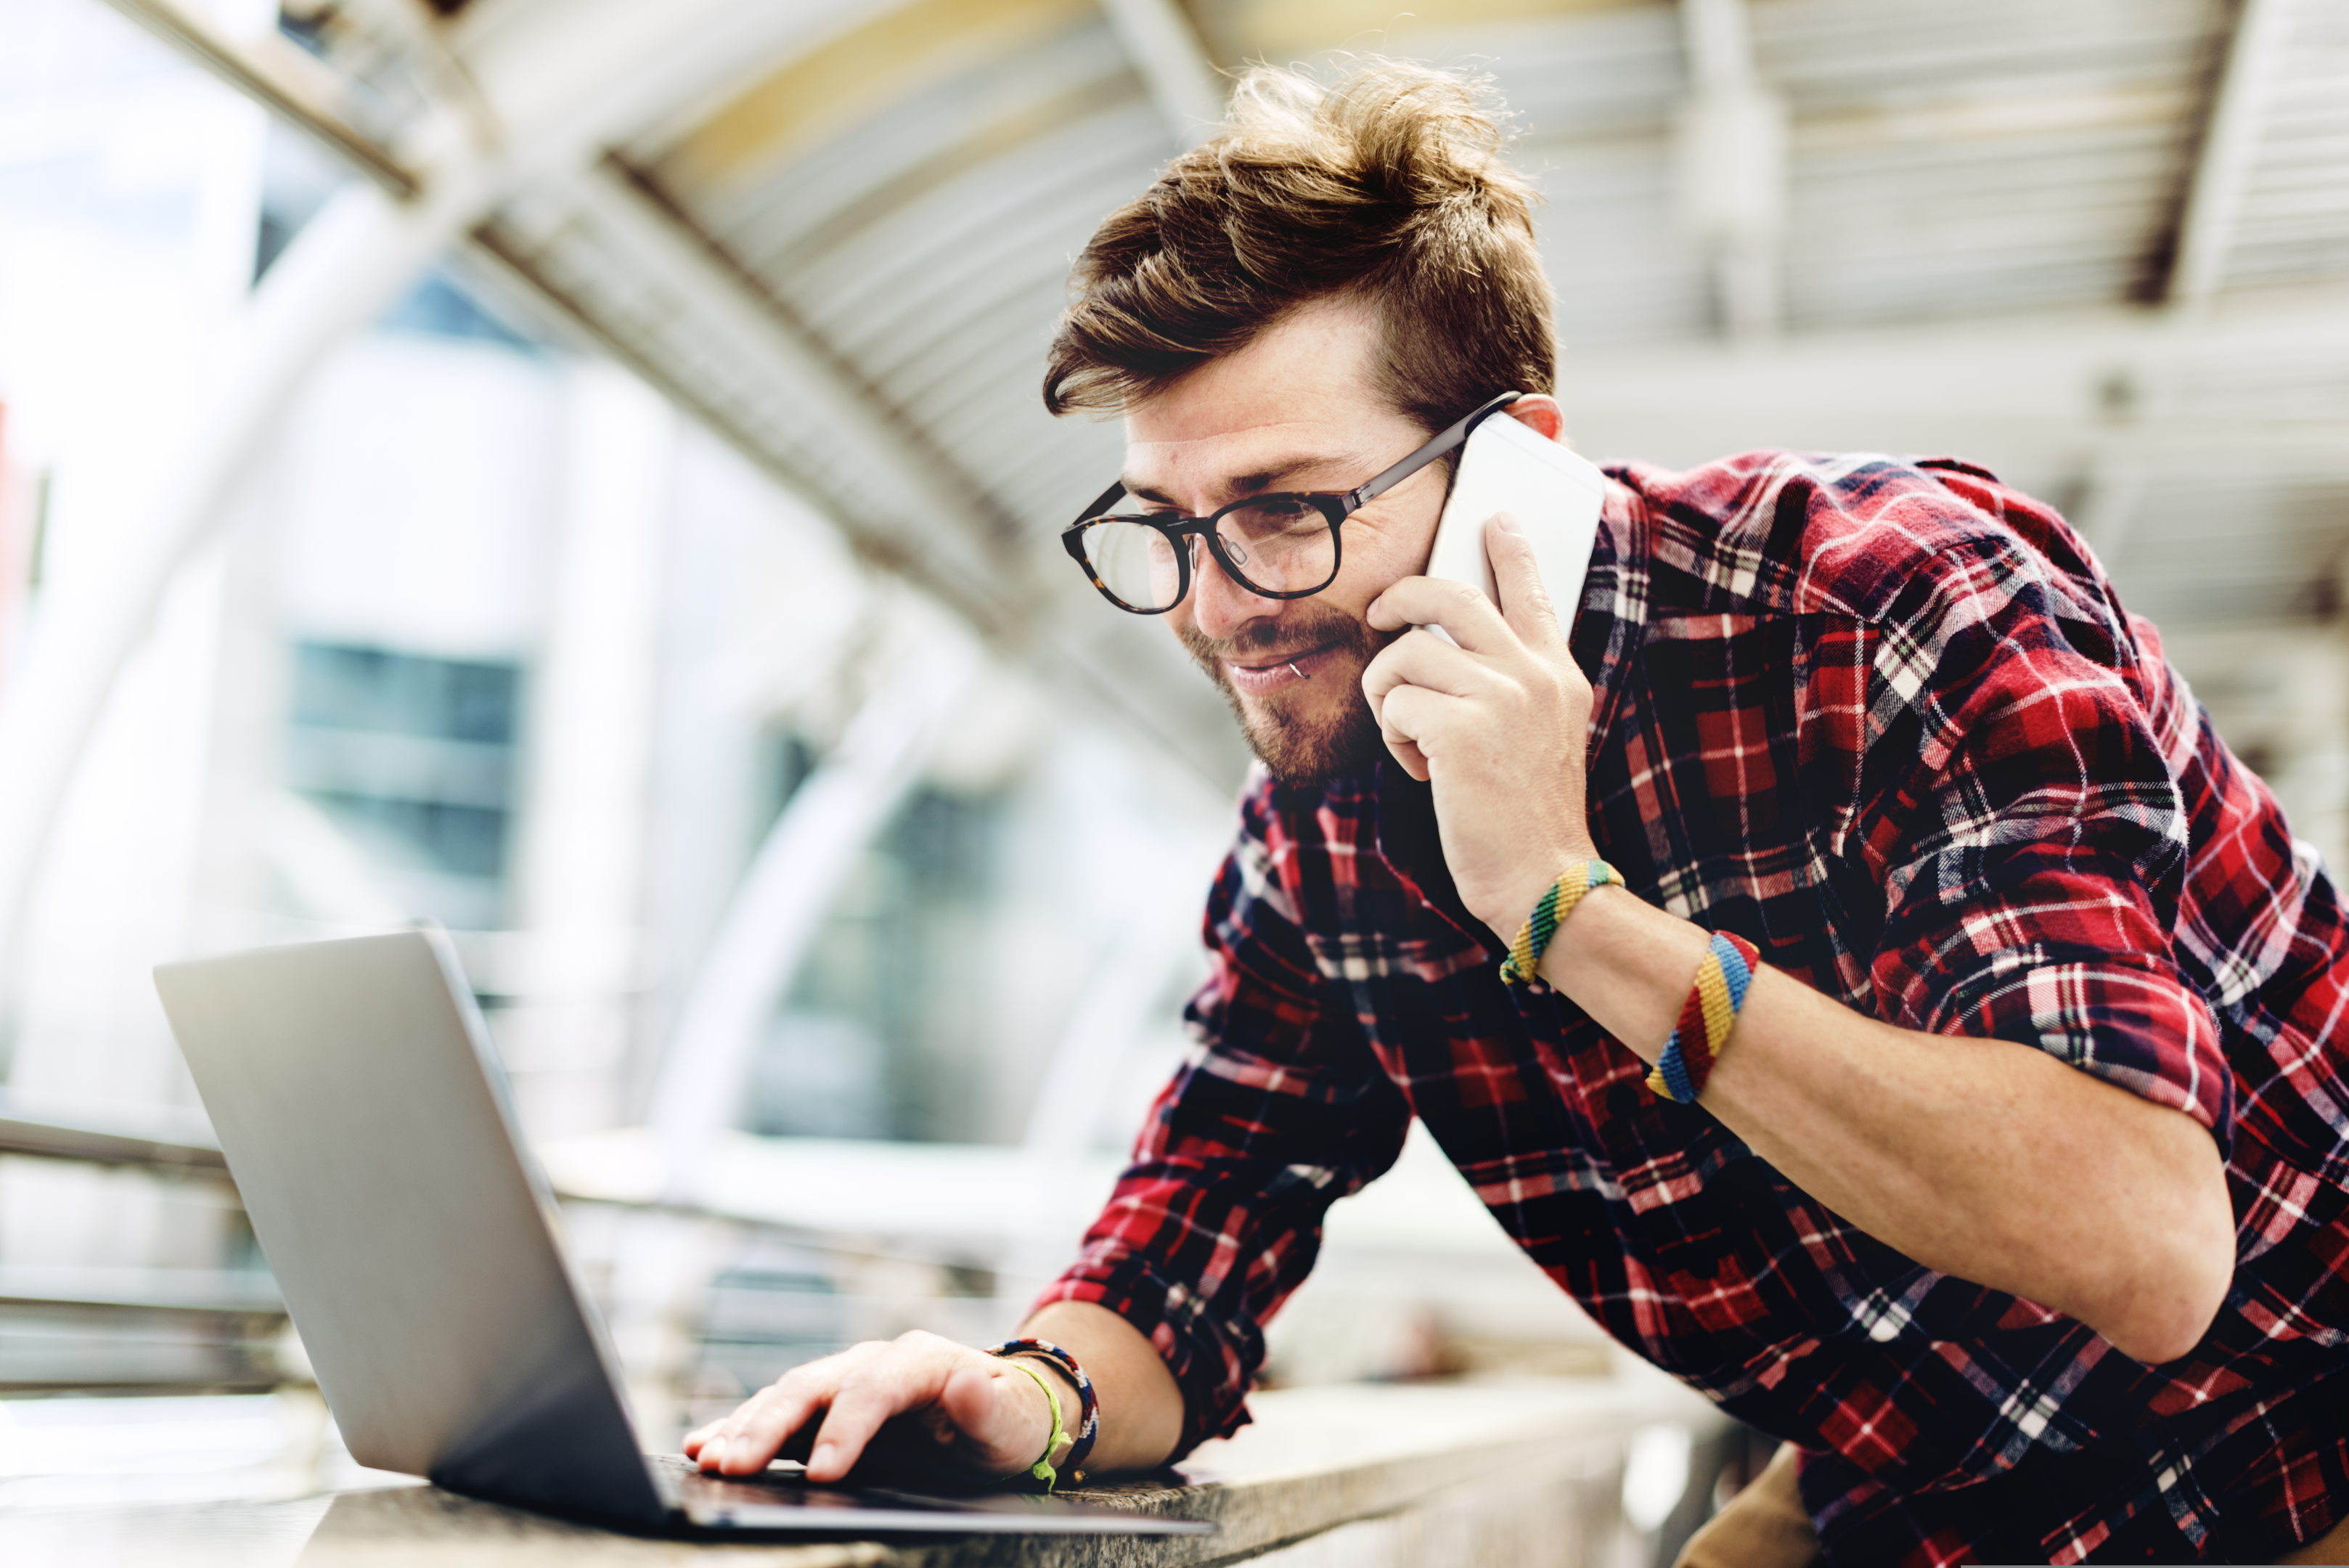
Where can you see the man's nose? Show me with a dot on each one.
(1220, 607)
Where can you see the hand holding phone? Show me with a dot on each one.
(1500, 736)
(1554, 494)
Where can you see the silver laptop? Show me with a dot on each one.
(369, 1127)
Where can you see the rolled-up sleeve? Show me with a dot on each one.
(2022, 814)
(1278, 1109)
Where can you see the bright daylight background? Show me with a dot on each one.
(655, 585)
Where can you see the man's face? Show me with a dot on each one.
(1297, 408)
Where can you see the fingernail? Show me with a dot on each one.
(821, 1458)
(1508, 522)
(713, 1454)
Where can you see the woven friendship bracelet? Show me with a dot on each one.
(1706, 1016)
(1089, 1403)
(1549, 913)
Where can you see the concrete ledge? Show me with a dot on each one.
(1429, 1475)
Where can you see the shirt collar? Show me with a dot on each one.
(1613, 616)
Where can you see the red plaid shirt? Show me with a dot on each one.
(1889, 723)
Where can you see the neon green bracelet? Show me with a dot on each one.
(1043, 1469)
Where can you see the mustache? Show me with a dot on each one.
(1269, 641)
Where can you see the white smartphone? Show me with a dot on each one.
(1554, 494)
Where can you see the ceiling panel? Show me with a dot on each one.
(2294, 228)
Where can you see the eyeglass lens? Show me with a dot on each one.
(1135, 562)
(1275, 546)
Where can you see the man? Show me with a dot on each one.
(2014, 1197)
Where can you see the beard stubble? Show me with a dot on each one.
(1295, 748)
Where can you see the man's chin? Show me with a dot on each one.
(1304, 733)
(1300, 749)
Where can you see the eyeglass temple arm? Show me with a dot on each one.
(1101, 501)
(1443, 441)
(1451, 436)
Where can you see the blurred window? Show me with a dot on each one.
(878, 1037)
(437, 307)
(414, 757)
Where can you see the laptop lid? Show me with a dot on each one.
(366, 1123)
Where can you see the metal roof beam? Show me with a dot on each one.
(2231, 144)
(2045, 394)
(687, 302)
(1165, 47)
(274, 73)
(1733, 136)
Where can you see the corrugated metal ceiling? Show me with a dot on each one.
(904, 199)
(1948, 159)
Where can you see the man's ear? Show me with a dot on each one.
(1540, 411)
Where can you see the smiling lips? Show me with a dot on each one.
(1277, 675)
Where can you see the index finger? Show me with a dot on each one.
(1473, 621)
(744, 1442)
(1526, 602)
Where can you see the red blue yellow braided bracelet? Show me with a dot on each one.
(1706, 1016)
(1549, 913)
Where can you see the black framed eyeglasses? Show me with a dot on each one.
(1282, 546)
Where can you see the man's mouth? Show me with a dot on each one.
(1261, 676)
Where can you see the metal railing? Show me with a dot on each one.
(78, 1329)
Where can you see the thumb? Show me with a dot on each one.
(1516, 572)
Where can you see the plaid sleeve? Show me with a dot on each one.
(1279, 1110)
(2019, 803)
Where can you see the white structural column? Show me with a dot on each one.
(1136, 967)
(1164, 49)
(2230, 149)
(1733, 165)
(1090, 1064)
(580, 871)
(352, 261)
(806, 858)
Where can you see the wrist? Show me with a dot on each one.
(1049, 1403)
(1511, 908)
(1068, 1389)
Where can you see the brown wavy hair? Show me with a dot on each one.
(1387, 187)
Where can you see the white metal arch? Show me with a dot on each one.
(550, 86)
(355, 259)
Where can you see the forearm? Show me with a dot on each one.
(1141, 1407)
(1982, 1158)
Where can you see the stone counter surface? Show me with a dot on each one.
(1422, 1474)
